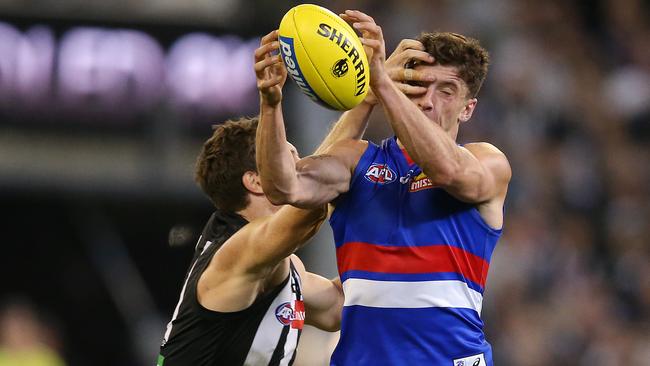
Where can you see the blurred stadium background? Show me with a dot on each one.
(105, 104)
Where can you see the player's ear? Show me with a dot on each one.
(468, 110)
(252, 183)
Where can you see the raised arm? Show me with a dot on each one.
(312, 181)
(475, 174)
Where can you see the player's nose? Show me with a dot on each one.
(425, 101)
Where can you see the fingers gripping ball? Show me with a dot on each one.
(324, 57)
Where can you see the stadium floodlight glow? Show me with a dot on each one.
(210, 74)
(121, 71)
(110, 69)
(34, 67)
(9, 39)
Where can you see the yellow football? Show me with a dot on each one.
(324, 56)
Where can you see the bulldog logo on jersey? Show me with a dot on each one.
(380, 173)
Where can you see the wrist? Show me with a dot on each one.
(382, 84)
(266, 104)
(383, 80)
(269, 109)
(369, 102)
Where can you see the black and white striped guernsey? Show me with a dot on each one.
(266, 333)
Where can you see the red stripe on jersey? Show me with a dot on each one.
(356, 256)
(298, 316)
(409, 161)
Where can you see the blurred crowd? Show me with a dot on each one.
(568, 100)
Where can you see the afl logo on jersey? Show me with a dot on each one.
(380, 173)
(284, 313)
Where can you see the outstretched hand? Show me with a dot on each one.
(372, 39)
(269, 70)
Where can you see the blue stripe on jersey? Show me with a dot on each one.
(429, 336)
(411, 277)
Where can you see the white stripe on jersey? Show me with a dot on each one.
(420, 294)
(266, 337)
(289, 346)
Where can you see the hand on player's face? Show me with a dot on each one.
(269, 69)
(399, 67)
(372, 39)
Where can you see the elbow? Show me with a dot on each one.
(277, 194)
(337, 312)
(336, 322)
(444, 175)
(279, 197)
(277, 200)
(335, 326)
(293, 197)
(333, 322)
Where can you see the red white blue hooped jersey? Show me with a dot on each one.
(413, 261)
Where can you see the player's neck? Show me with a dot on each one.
(258, 206)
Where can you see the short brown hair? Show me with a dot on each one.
(224, 159)
(465, 53)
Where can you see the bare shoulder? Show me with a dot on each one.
(492, 158)
(297, 262)
(483, 148)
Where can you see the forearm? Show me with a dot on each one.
(308, 183)
(284, 233)
(351, 125)
(275, 163)
(426, 142)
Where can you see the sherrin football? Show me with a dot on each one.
(324, 57)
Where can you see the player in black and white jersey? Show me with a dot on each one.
(246, 295)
